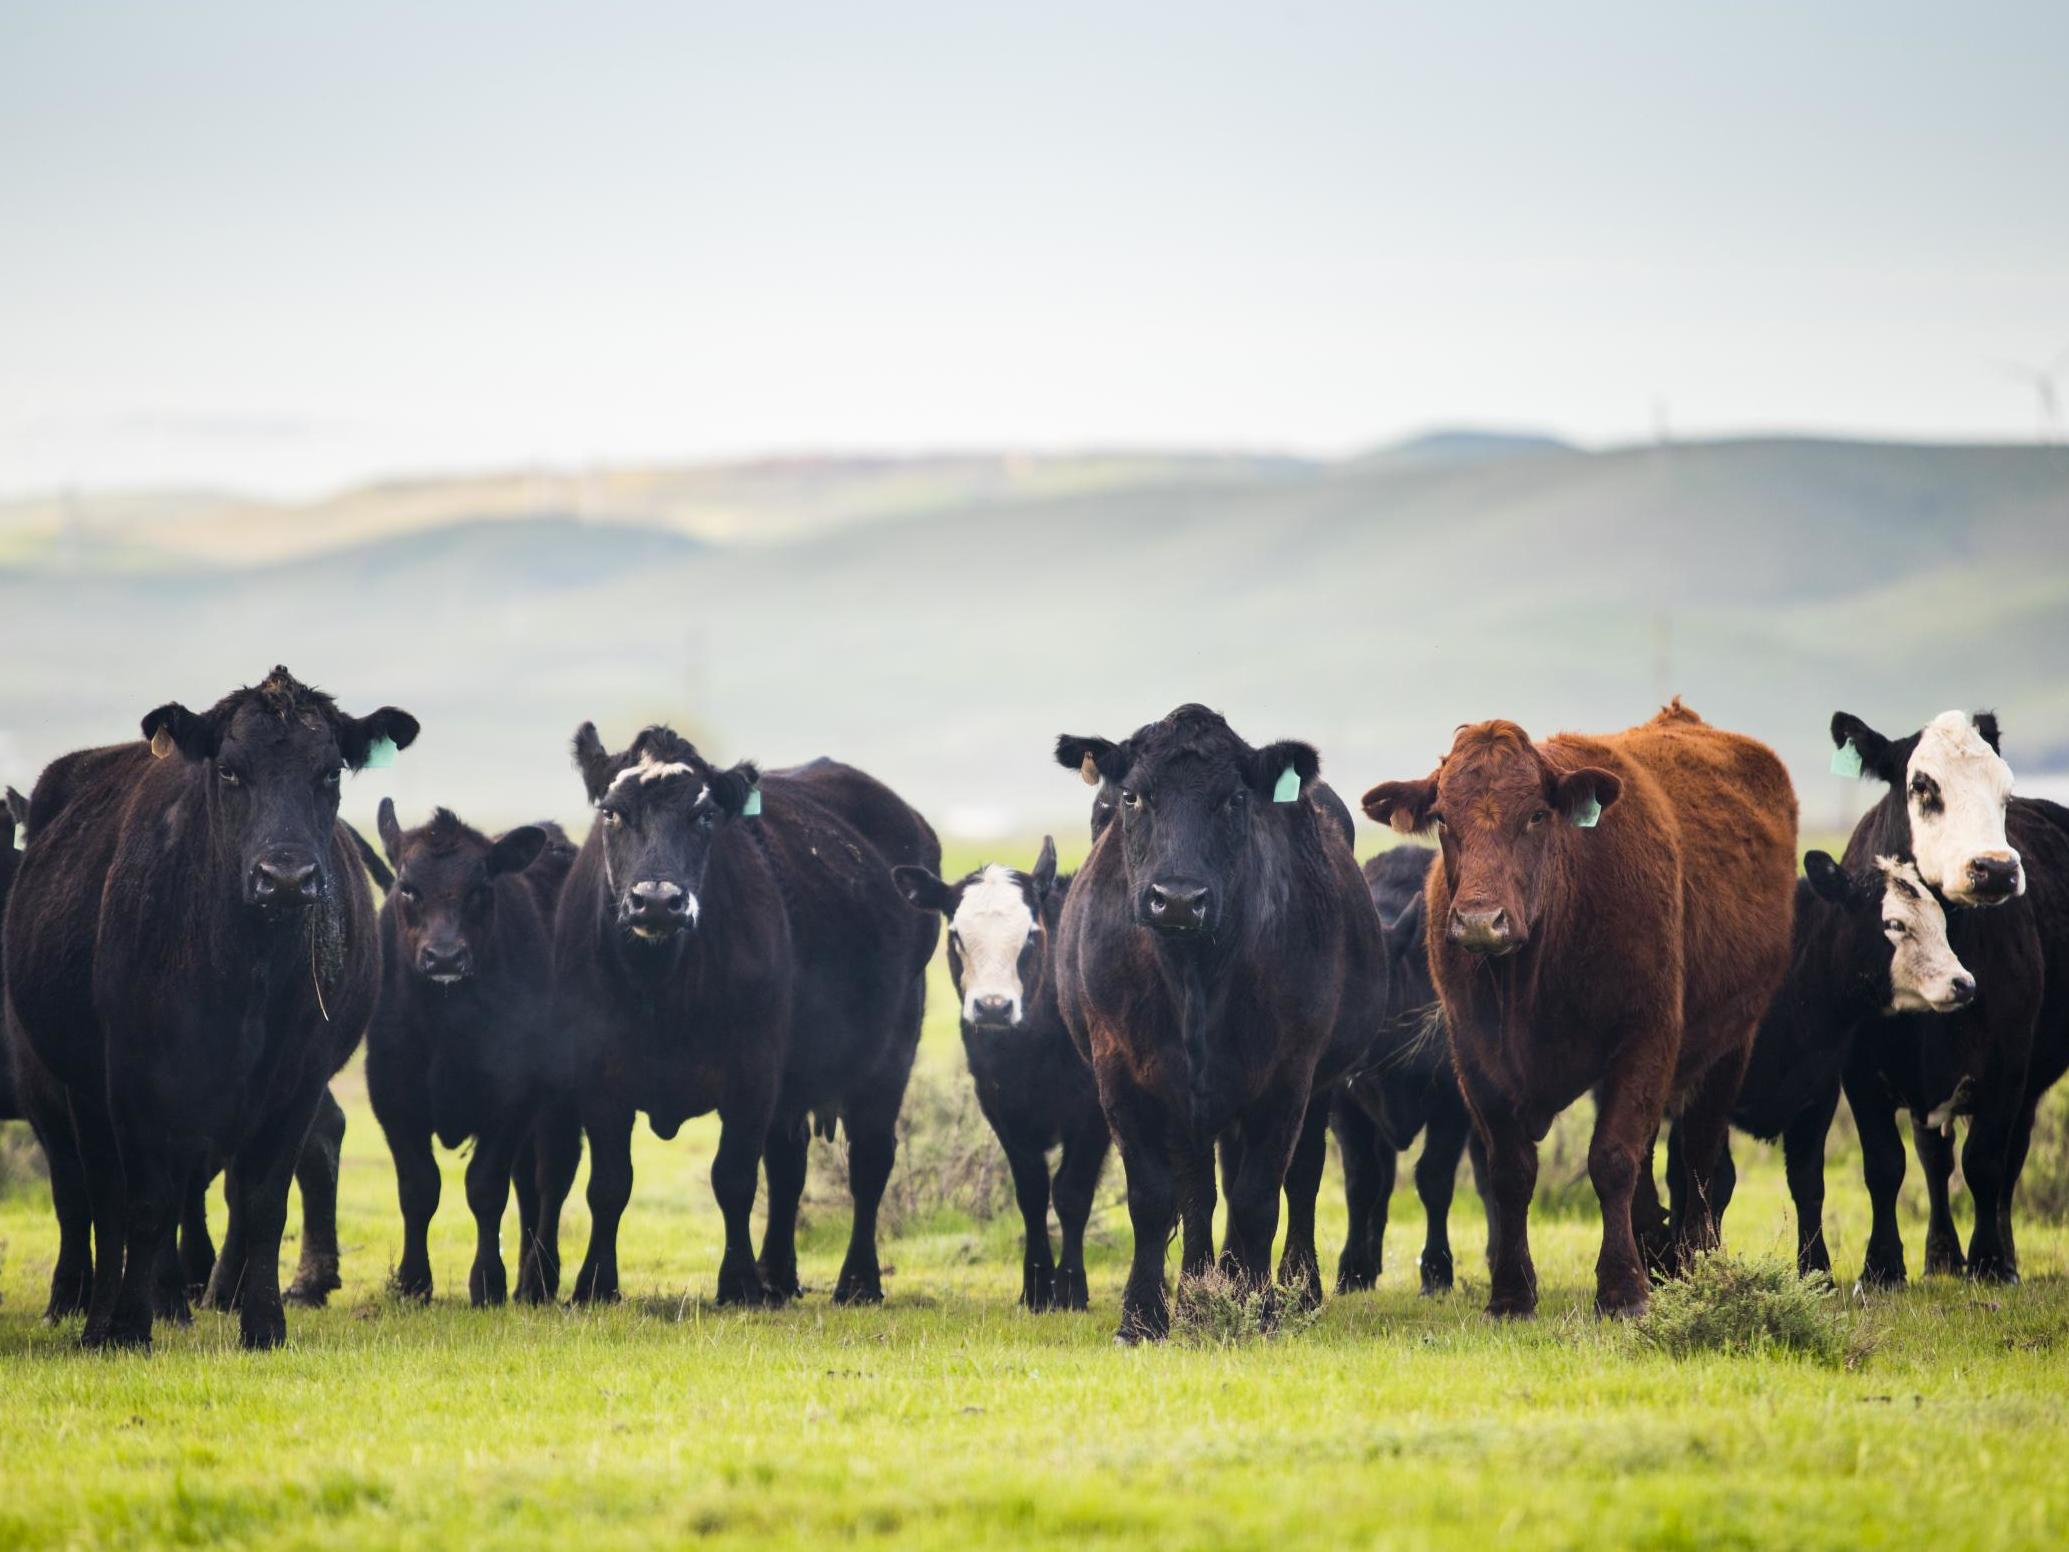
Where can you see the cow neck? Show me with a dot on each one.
(1885, 830)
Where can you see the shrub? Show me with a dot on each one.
(1217, 1310)
(1727, 1304)
(21, 1159)
(948, 1159)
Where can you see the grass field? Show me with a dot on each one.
(949, 1418)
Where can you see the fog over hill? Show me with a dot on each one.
(940, 620)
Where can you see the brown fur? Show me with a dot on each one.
(1649, 947)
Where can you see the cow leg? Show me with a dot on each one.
(1985, 1161)
(1627, 1118)
(1077, 1179)
(1300, 1266)
(1368, 1180)
(105, 1190)
(1511, 1180)
(1650, 1223)
(524, 1180)
(226, 1279)
(1882, 1168)
(1271, 1136)
(488, 1194)
(556, 1155)
(1031, 1191)
(1936, 1162)
(610, 1187)
(785, 1156)
(1192, 1166)
(1702, 1132)
(154, 1175)
(71, 1281)
(2014, 1167)
(872, 1127)
(1152, 1210)
(169, 1275)
(265, 1170)
(316, 1174)
(418, 1185)
(735, 1177)
(197, 1246)
(1436, 1179)
(1803, 1156)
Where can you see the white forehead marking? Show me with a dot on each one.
(651, 769)
(1952, 737)
(993, 896)
(991, 924)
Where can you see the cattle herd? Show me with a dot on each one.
(192, 951)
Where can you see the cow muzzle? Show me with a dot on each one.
(1177, 909)
(992, 1012)
(1991, 880)
(656, 911)
(1492, 932)
(284, 880)
(445, 965)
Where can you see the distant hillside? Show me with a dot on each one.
(1369, 606)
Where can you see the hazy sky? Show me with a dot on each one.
(283, 246)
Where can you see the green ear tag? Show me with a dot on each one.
(1288, 788)
(380, 754)
(1590, 811)
(753, 805)
(1846, 760)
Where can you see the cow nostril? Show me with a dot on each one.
(1159, 902)
(1964, 989)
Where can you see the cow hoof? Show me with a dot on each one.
(307, 1295)
(1943, 1261)
(859, 1292)
(118, 1339)
(1512, 1309)
(1993, 1272)
(1435, 1289)
(1622, 1309)
(415, 1290)
(263, 1333)
(1883, 1279)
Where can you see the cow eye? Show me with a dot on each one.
(408, 892)
(609, 818)
(706, 819)
(1131, 799)
(1540, 816)
(330, 777)
(229, 777)
(1895, 928)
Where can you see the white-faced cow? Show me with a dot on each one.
(463, 1043)
(1218, 958)
(1867, 944)
(1032, 1085)
(2001, 864)
(734, 941)
(190, 955)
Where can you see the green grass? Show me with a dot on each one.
(949, 1418)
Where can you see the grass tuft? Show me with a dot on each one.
(1217, 1310)
(1730, 1304)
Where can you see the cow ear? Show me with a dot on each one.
(516, 850)
(1044, 875)
(18, 811)
(1268, 768)
(1582, 795)
(1876, 753)
(1828, 880)
(358, 735)
(390, 830)
(730, 790)
(1404, 934)
(1986, 725)
(593, 761)
(922, 888)
(1095, 759)
(172, 727)
(1405, 805)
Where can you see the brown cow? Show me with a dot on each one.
(1612, 913)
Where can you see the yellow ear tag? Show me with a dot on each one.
(1089, 769)
(161, 744)
(1289, 786)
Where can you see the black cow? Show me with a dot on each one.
(713, 955)
(463, 1043)
(190, 956)
(1219, 959)
(2001, 864)
(1867, 945)
(1405, 1084)
(1033, 1087)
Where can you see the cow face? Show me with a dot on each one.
(1189, 792)
(1501, 812)
(273, 758)
(997, 938)
(1897, 934)
(1956, 788)
(445, 896)
(659, 807)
